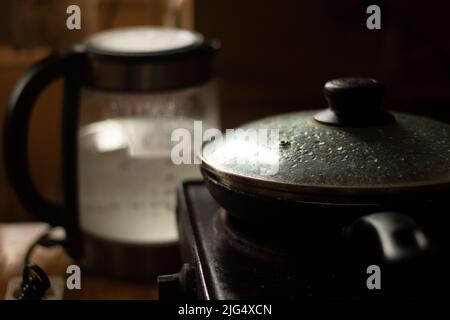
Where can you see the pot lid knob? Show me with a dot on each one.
(354, 102)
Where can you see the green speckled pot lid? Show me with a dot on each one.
(407, 156)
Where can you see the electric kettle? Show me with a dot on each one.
(125, 91)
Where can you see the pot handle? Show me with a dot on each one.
(20, 107)
(398, 237)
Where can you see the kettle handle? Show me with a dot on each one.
(19, 110)
(398, 237)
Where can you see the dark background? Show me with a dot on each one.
(277, 55)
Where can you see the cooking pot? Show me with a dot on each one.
(352, 164)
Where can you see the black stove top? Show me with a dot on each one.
(222, 262)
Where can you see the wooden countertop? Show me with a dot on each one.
(15, 239)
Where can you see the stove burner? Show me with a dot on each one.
(248, 241)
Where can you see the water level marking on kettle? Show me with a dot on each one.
(119, 167)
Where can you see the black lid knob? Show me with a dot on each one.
(354, 102)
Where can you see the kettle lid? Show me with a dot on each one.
(148, 58)
(144, 41)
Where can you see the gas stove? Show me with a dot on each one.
(222, 260)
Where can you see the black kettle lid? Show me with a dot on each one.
(349, 153)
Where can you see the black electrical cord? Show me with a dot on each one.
(35, 281)
(44, 241)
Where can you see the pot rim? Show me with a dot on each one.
(332, 195)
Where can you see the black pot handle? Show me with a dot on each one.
(388, 236)
(20, 107)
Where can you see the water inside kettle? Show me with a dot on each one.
(127, 180)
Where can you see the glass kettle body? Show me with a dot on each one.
(125, 91)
